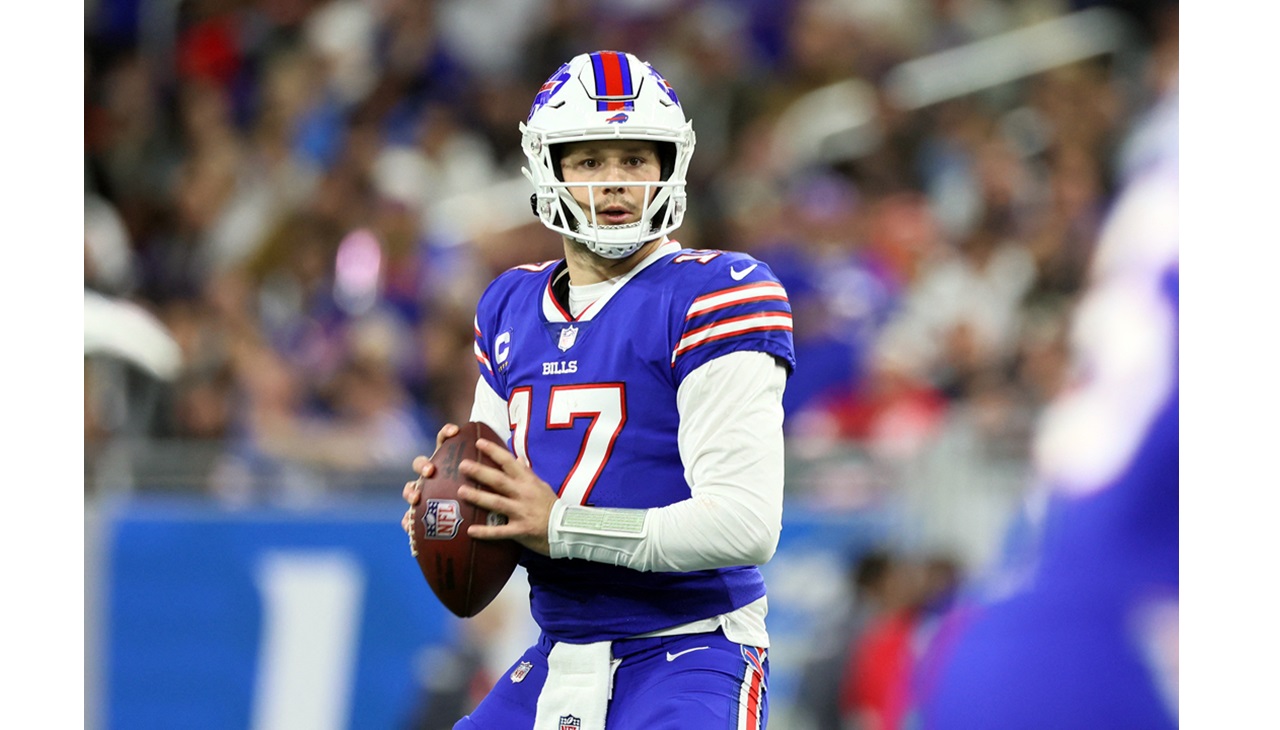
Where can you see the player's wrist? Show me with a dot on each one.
(556, 544)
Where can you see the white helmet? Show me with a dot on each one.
(597, 96)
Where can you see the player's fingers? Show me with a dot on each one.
(446, 431)
(495, 479)
(411, 492)
(500, 455)
(492, 532)
(487, 500)
(422, 466)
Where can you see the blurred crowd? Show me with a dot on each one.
(308, 196)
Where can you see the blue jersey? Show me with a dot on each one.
(592, 406)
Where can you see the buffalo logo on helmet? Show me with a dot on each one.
(664, 85)
(618, 118)
(549, 89)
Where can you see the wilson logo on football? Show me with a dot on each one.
(441, 519)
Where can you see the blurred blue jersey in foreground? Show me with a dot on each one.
(1083, 633)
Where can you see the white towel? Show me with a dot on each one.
(576, 693)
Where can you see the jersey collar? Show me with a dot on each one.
(554, 310)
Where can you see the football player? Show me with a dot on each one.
(638, 385)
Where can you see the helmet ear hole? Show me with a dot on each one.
(667, 159)
(557, 154)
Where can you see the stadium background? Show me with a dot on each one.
(291, 206)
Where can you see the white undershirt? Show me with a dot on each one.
(730, 440)
(583, 296)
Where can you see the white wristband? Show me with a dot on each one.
(630, 524)
(601, 534)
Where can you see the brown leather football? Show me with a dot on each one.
(465, 574)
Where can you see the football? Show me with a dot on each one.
(465, 574)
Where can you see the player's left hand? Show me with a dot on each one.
(517, 493)
(423, 467)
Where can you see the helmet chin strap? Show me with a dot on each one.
(608, 250)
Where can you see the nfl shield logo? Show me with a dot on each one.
(441, 518)
(567, 337)
(569, 722)
(521, 672)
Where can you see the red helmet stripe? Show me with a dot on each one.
(613, 79)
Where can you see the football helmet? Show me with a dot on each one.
(601, 96)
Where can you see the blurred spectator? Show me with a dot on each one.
(893, 411)
(1061, 237)
(961, 317)
(912, 592)
(867, 583)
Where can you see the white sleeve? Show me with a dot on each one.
(489, 408)
(731, 444)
